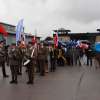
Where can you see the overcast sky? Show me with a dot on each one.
(46, 15)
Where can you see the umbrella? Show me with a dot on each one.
(85, 41)
(84, 46)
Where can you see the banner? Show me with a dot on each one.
(56, 40)
(19, 30)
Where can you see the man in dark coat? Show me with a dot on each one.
(13, 62)
(3, 58)
(89, 54)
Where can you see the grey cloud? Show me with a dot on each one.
(85, 10)
(45, 15)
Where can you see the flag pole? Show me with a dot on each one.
(36, 47)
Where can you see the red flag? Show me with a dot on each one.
(34, 40)
(56, 40)
(3, 31)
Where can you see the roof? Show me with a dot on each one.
(13, 32)
(80, 34)
(62, 30)
(7, 24)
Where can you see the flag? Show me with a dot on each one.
(56, 40)
(3, 31)
(19, 30)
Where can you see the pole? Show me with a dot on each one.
(36, 48)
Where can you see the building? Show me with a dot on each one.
(66, 35)
(11, 30)
(63, 34)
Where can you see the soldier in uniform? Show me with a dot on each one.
(20, 58)
(3, 58)
(52, 60)
(13, 62)
(46, 59)
(30, 59)
(41, 58)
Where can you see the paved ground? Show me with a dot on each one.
(67, 83)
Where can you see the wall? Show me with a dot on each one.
(97, 38)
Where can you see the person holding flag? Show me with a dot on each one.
(20, 43)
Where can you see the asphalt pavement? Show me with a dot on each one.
(67, 83)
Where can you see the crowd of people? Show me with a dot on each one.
(36, 59)
(31, 56)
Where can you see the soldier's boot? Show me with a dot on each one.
(12, 81)
(15, 76)
(15, 81)
(31, 78)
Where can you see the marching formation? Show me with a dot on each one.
(33, 57)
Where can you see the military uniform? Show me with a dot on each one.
(41, 57)
(46, 59)
(20, 53)
(30, 66)
(52, 61)
(13, 62)
(3, 59)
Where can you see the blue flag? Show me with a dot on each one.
(19, 30)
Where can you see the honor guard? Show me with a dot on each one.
(3, 58)
(41, 57)
(13, 62)
(20, 58)
(30, 62)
